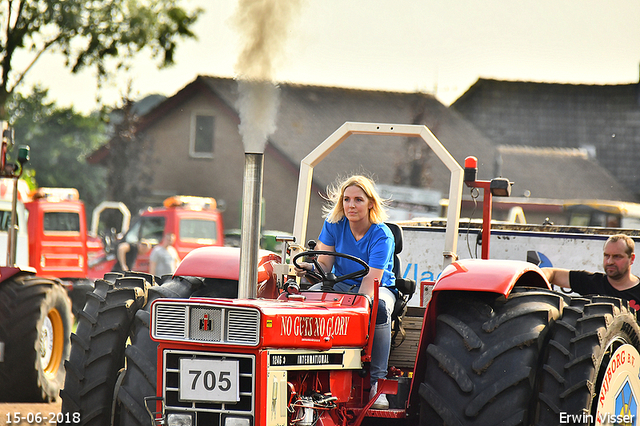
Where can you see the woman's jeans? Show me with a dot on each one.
(382, 336)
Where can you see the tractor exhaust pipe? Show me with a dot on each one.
(258, 106)
(250, 228)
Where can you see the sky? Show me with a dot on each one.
(432, 46)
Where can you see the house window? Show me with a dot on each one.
(201, 136)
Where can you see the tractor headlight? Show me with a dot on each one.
(236, 421)
(175, 419)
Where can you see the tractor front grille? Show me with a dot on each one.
(170, 321)
(212, 412)
(206, 323)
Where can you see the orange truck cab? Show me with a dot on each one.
(52, 234)
(57, 233)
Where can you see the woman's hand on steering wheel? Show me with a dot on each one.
(319, 274)
(308, 269)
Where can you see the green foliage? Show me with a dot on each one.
(128, 149)
(105, 34)
(60, 140)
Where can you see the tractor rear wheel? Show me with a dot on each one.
(35, 324)
(481, 367)
(591, 371)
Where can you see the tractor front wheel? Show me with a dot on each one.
(97, 352)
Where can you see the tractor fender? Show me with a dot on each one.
(7, 272)
(495, 276)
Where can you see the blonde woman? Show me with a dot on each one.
(354, 225)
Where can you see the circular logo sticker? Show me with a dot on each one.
(620, 389)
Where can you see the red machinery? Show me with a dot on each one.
(35, 312)
(497, 345)
(302, 359)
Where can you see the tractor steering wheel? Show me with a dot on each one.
(328, 279)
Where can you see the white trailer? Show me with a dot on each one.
(558, 246)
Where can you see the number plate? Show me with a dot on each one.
(205, 380)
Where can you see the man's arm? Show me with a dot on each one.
(557, 276)
(121, 255)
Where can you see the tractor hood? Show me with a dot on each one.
(315, 320)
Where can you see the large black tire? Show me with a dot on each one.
(78, 295)
(481, 367)
(140, 377)
(580, 348)
(97, 352)
(35, 325)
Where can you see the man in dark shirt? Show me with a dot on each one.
(617, 279)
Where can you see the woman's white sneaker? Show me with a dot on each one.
(381, 403)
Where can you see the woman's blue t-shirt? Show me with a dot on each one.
(375, 248)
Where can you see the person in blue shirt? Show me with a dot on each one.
(354, 225)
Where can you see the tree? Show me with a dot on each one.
(105, 34)
(60, 140)
(127, 148)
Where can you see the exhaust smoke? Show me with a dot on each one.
(263, 26)
(258, 103)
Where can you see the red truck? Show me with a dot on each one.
(60, 245)
(55, 252)
(195, 221)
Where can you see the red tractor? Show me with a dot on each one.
(35, 312)
(497, 345)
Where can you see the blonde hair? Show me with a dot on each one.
(334, 211)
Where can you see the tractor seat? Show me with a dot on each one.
(406, 287)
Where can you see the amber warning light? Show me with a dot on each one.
(190, 202)
(56, 194)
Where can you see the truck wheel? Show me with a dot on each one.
(140, 376)
(481, 366)
(35, 324)
(97, 351)
(591, 370)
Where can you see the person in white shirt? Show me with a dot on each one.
(164, 258)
